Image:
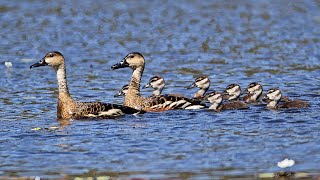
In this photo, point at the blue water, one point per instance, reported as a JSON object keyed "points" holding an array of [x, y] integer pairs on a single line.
{"points": [[274, 43]]}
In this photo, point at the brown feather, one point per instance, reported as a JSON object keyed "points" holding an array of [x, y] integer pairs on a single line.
{"points": [[234, 105], [294, 104]]}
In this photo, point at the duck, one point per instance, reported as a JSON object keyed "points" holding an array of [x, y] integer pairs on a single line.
{"points": [[123, 91], [67, 107], [157, 83], [203, 83], [216, 99], [133, 99], [232, 92], [273, 97], [253, 93]]}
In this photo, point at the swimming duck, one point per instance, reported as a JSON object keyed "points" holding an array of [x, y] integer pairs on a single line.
{"points": [[232, 92], [273, 97], [254, 92], [218, 105], [70, 109], [157, 83], [123, 91], [203, 83], [133, 98]]}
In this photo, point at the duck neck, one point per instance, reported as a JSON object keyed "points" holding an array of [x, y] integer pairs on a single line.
{"points": [[65, 101], [234, 97], [215, 106], [156, 92], [256, 96], [62, 79], [134, 86], [200, 93], [272, 104]]}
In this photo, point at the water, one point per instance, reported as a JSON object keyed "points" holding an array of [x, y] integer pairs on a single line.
{"points": [[275, 43]]}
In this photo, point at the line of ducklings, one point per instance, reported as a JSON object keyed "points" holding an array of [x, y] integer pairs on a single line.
{"points": [[230, 98], [68, 108]]}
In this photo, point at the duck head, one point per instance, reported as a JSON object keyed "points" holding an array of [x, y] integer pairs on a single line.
{"points": [[156, 82], [53, 59], [254, 88], [214, 97], [202, 82], [232, 92], [273, 94], [123, 91], [132, 60]]}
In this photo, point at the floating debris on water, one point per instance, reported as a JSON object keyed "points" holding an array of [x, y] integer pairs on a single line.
{"points": [[50, 128], [286, 163], [8, 64]]}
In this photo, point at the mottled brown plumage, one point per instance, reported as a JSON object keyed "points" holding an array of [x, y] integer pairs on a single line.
{"points": [[155, 103], [68, 108]]}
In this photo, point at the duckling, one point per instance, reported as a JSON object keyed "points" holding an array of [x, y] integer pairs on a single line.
{"points": [[202, 82], [133, 99], [70, 109], [273, 97], [216, 100], [123, 91], [254, 92], [157, 83], [232, 92]]}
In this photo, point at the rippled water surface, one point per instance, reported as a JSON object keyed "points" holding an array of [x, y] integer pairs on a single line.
{"points": [[273, 42]]}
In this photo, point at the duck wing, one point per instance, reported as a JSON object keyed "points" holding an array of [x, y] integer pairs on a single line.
{"points": [[234, 105], [101, 110], [294, 104], [167, 102]]}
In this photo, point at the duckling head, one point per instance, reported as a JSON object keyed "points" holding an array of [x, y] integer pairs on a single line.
{"points": [[254, 88], [214, 97], [232, 91], [156, 82], [123, 91], [53, 59], [202, 82], [273, 94], [132, 60]]}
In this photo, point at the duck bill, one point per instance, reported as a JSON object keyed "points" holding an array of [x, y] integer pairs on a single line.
{"points": [[42, 62], [266, 99], [146, 86], [244, 92], [118, 94], [121, 64], [191, 86]]}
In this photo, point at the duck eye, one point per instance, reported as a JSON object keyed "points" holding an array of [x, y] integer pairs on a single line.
{"points": [[50, 55], [131, 56]]}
